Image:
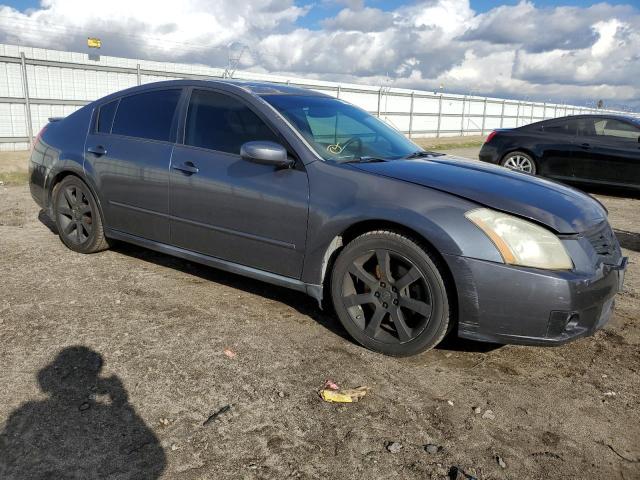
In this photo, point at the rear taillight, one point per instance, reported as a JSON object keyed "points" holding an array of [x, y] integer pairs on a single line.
{"points": [[38, 136], [490, 136]]}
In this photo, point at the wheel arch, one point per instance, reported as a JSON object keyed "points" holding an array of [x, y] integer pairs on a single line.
{"points": [[59, 176], [371, 225]]}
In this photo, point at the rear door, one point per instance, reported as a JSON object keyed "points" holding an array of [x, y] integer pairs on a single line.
{"points": [[557, 147], [230, 208], [611, 152], [128, 154]]}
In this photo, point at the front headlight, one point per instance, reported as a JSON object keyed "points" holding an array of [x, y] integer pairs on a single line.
{"points": [[521, 242]]}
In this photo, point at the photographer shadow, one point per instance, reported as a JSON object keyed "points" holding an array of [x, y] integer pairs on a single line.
{"points": [[85, 428]]}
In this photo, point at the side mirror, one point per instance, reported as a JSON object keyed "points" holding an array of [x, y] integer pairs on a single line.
{"points": [[266, 153]]}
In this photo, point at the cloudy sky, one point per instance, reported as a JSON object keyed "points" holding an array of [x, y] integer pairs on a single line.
{"points": [[548, 50]]}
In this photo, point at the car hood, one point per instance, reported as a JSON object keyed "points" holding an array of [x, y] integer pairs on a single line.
{"points": [[561, 208]]}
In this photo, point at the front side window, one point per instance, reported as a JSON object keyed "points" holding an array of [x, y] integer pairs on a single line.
{"points": [[220, 122], [105, 117], [610, 127], [147, 115], [337, 130]]}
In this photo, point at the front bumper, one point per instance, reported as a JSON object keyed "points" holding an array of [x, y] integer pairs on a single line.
{"points": [[505, 304]]}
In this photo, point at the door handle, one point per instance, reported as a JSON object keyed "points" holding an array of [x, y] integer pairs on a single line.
{"points": [[187, 167], [585, 146], [97, 150]]}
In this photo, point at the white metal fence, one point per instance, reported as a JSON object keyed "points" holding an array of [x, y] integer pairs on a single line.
{"points": [[37, 83]]}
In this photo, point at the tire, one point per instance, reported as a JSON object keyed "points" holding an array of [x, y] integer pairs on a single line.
{"points": [[77, 216], [519, 161], [390, 294]]}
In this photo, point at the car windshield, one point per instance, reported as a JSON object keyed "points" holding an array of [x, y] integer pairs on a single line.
{"points": [[339, 131]]}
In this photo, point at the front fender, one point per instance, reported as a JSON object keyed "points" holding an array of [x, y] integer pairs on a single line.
{"points": [[341, 197]]}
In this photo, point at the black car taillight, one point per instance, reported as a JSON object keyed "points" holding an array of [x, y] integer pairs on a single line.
{"points": [[490, 136], [38, 136]]}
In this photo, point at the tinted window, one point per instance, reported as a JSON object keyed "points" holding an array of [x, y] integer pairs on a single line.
{"points": [[220, 122], [147, 115], [610, 127], [566, 127], [105, 117]]}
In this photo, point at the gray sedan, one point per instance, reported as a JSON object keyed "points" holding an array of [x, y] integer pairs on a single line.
{"points": [[306, 191]]}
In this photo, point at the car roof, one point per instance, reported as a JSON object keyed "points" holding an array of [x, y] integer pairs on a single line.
{"points": [[248, 87], [627, 118]]}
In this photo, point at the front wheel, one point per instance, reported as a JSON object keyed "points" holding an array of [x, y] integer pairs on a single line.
{"points": [[519, 161], [77, 216], [389, 294]]}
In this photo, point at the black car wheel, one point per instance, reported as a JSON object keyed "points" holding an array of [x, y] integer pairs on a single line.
{"points": [[389, 294], [77, 217], [519, 161]]}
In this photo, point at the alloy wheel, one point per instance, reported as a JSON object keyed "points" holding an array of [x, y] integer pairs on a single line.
{"points": [[387, 296], [519, 162], [75, 215]]}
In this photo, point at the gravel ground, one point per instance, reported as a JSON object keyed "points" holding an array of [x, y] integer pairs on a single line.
{"points": [[113, 362]]}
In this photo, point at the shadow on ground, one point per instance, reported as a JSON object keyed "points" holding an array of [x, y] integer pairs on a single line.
{"points": [[85, 428], [628, 240]]}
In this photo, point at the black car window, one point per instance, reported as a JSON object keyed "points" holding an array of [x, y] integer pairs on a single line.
{"points": [[223, 123], [586, 127], [565, 127], [610, 127], [105, 117], [147, 115]]}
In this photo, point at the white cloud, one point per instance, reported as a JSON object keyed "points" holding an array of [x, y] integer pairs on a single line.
{"points": [[565, 53]]}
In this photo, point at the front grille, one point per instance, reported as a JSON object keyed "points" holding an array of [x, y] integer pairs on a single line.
{"points": [[604, 242]]}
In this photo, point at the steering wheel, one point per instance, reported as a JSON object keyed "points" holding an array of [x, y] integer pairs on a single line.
{"points": [[337, 148]]}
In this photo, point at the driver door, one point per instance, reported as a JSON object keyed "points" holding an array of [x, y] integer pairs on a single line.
{"points": [[230, 208]]}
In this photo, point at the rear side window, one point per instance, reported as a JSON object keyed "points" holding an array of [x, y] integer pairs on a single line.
{"points": [[223, 123], [147, 115], [105, 117], [566, 127]]}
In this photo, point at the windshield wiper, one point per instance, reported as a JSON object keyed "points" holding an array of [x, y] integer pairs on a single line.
{"points": [[423, 153], [364, 159]]}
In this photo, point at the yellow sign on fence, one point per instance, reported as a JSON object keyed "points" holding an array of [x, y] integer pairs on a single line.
{"points": [[94, 42]]}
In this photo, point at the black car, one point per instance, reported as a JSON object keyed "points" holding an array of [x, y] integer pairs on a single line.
{"points": [[590, 149], [308, 192]]}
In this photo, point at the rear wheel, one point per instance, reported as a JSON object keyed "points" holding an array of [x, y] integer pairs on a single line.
{"points": [[77, 216], [389, 294], [519, 161]]}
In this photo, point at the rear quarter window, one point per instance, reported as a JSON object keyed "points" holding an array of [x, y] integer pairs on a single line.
{"points": [[105, 117], [147, 115]]}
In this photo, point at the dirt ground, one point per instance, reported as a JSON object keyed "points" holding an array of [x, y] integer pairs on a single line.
{"points": [[112, 363]]}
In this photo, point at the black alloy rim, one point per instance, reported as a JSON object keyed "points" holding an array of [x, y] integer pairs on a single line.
{"points": [[75, 216], [387, 296]]}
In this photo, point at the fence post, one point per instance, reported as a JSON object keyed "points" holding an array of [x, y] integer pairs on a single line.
{"points": [[518, 114], [139, 78], [338, 92], [27, 100], [502, 114], [439, 116], [464, 101], [379, 101], [484, 116], [411, 116], [532, 107]]}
